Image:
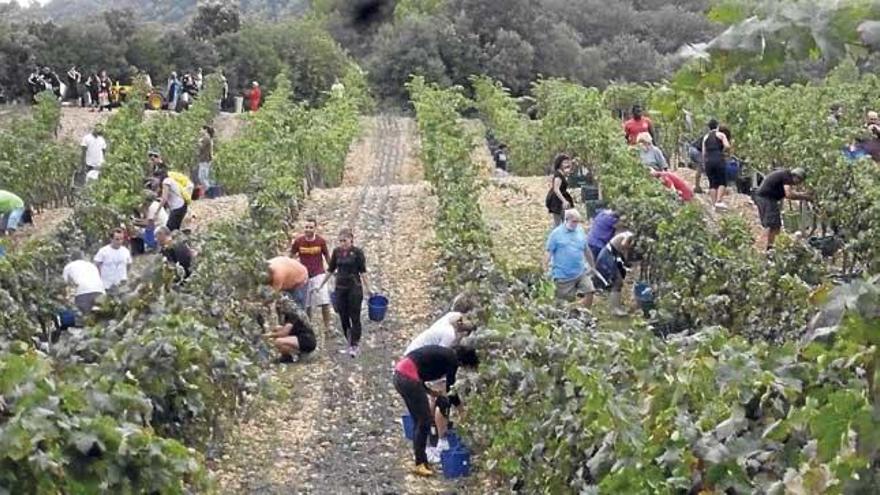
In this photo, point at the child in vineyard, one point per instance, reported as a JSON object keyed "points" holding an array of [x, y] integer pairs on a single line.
{"points": [[348, 265], [411, 375]]}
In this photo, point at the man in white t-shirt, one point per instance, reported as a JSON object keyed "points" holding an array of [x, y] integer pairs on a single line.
{"points": [[113, 260], [85, 278], [93, 149]]}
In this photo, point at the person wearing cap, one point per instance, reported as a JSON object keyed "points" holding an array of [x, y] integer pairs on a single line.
{"points": [[254, 97], [156, 162], [637, 125], [569, 260], [777, 185]]}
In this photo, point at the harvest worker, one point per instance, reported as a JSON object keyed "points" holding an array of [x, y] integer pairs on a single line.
{"points": [[311, 249], [94, 148], [178, 254], [290, 277], [637, 125], [86, 280], [601, 230], [776, 187], [348, 265], [572, 261], [715, 144], [295, 335], [650, 155], [423, 365], [254, 97], [205, 158], [611, 266], [172, 197], [11, 211], [448, 331], [558, 198], [673, 181], [113, 260]]}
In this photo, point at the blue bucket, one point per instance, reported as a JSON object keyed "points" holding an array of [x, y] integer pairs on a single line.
{"points": [[454, 441], [150, 238], [408, 426], [456, 462], [644, 294], [377, 307], [65, 319], [732, 170]]}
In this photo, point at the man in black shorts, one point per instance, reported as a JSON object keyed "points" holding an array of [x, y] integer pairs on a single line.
{"points": [[769, 196], [295, 336]]}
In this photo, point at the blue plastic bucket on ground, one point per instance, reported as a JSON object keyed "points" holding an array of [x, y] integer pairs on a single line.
{"points": [[377, 306], [408, 426], [453, 440], [456, 462], [644, 295], [66, 319]]}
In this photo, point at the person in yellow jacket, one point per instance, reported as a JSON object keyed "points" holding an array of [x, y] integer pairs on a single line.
{"points": [[176, 195]]}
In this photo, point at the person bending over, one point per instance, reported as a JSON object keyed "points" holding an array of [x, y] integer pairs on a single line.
{"points": [[295, 336]]}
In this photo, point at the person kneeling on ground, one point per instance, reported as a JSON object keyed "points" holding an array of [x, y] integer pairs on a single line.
{"points": [[295, 336], [423, 365], [571, 259], [611, 267], [769, 196]]}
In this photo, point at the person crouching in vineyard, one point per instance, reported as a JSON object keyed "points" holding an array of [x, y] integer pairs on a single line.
{"points": [[12, 210], [777, 185], [569, 260], [348, 265], [295, 336], [175, 253], [611, 267], [411, 373]]}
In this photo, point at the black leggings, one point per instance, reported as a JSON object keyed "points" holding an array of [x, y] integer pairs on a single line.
{"points": [[175, 218], [348, 304], [415, 396]]}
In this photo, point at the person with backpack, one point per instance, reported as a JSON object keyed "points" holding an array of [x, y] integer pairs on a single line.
{"points": [[558, 198], [714, 148], [173, 198]]}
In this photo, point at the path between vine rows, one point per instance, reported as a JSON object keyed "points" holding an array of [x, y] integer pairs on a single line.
{"points": [[333, 425]]}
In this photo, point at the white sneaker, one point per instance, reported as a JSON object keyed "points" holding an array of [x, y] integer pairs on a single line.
{"points": [[720, 206], [442, 444], [433, 454]]}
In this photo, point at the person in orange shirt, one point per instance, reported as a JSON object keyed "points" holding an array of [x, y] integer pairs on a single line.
{"points": [[289, 276], [254, 97]]}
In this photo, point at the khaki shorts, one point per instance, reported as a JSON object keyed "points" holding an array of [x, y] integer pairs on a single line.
{"points": [[575, 288]]}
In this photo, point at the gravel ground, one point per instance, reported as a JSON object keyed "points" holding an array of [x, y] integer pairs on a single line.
{"points": [[334, 427]]}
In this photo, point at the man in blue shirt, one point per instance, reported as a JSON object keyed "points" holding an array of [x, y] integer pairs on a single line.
{"points": [[569, 260]]}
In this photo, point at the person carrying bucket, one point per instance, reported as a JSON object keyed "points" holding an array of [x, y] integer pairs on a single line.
{"points": [[411, 375], [448, 331], [348, 265]]}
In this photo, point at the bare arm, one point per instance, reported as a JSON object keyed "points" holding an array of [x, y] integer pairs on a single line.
{"points": [[557, 183], [790, 193], [545, 264]]}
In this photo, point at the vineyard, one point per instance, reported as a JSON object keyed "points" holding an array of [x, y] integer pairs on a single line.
{"points": [[757, 373]]}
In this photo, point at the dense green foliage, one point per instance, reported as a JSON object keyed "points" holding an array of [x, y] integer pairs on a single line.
{"points": [[28, 150], [123, 405], [561, 406]]}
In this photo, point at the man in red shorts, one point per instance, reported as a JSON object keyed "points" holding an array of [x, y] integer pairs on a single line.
{"points": [[311, 249]]}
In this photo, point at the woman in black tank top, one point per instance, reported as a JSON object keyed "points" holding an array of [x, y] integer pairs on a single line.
{"points": [[715, 144]]}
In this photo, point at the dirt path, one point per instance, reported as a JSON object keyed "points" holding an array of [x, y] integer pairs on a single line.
{"points": [[334, 427]]}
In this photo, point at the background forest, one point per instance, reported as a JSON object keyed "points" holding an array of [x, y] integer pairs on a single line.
{"points": [[592, 42]]}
